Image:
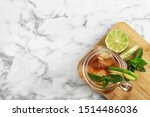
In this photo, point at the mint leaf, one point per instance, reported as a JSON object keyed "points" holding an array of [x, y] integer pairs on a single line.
{"points": [[140, 68], [139, 53], [105, 79], [139, 61], [105, 82], [95, 78], [136, 64], [115, 78]]}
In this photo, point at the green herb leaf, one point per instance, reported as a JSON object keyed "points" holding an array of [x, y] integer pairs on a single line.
{"points": [[138, 61], [115, 78], [139, 53], [140, 68], [95, 78], [105, 82], [105, 79], [136, 64]]}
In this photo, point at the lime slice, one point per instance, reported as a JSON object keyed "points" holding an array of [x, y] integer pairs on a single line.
{"points": [[117, 41], [130, 77], [128, 74], [129, 52], [116, 72]]}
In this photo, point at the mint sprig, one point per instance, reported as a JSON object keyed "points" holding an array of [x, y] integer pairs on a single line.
{"points": [[137, 63], [106, 79]]}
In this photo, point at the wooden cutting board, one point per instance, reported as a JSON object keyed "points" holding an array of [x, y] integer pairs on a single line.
{"points": [[141, 87]]}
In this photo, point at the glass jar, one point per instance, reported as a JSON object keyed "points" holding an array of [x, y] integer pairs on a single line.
{"points": [[84, 71]]}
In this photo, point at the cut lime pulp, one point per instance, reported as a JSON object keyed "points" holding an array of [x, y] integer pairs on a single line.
{"points": [[117, 41]]}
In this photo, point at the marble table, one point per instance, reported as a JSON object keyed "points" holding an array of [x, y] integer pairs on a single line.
{"points": [[42, 41]]}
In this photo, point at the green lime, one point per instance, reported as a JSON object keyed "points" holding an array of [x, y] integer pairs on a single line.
{"points": [[116, 72], [117, 41], [129, 52], [128, 74], [130, 77]]}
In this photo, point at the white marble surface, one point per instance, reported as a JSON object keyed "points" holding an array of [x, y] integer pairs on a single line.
{"points": [[47, 38]]}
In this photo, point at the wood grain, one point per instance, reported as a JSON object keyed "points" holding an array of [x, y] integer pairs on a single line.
{"points": [[141, 87]]}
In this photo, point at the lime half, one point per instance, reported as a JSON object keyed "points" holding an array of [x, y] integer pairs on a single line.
{"points": [[117, 41]]}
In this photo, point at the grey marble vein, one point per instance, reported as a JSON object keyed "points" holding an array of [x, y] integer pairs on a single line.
{"points": [[42, 41]]}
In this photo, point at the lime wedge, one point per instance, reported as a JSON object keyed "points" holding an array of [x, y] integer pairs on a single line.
{"points": [[128, 74], [129, 52], [116, 72], [130, 77], [117, 41]]}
